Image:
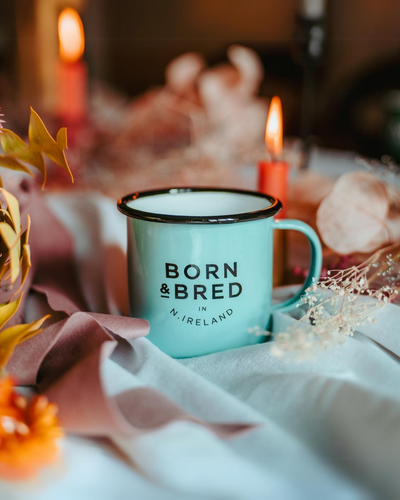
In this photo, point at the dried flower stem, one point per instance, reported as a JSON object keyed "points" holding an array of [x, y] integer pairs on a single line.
{"points": [[341, 302]]}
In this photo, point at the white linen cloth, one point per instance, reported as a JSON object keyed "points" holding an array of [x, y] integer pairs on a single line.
{"points": [[328, 429]]}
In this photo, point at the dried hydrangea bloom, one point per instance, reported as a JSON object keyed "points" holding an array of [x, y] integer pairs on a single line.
{"points": [[358, 216], [29, 433]]}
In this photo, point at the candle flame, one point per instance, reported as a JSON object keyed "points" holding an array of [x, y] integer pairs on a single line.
{"points": [[274, 129], [71, 35]]}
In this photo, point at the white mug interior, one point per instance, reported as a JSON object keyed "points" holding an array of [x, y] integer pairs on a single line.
{"points": [[199, 203]]}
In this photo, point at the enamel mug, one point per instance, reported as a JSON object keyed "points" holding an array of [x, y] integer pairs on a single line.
{"points": [[200, 266]]}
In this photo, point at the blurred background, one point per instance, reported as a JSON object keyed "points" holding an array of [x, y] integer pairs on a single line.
{"points": [[335, 64]]}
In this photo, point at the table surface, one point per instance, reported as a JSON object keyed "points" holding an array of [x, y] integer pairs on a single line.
{"points": [[328, 428]]}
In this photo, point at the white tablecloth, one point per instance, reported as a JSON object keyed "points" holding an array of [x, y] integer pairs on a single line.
{"points": [[328, 429]]}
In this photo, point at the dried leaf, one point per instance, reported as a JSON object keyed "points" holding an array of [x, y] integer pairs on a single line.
{"points": [[12, 143], [17, 152], [26, 233], [13, 164], [5, 216], [62, 138], [4, 266], [40, 139], [25, 265], [8, 310], [14, 264], [34, 158], [352, 218], [14, 335], [8, 234], [12, 240], [12, 260], [13, 209]]}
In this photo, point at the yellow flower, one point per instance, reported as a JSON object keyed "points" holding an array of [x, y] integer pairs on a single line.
{"points": [[29, 433]]}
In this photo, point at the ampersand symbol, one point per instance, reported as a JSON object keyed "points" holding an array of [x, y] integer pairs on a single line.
{"points": [[164, 288]]}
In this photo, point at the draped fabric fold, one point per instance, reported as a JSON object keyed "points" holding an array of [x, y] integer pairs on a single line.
{"points": [[65, 359]]}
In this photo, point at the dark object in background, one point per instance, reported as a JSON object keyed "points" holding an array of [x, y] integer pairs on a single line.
{"points": [[368, 115], [8, 50], [309, 48], [338, 94], [391, 136]]}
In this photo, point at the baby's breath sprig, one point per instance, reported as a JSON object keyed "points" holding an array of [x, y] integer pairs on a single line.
{"points": [[341, 302]]}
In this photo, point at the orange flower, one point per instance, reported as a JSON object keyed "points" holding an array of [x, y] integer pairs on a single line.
{"points": [[29, 433]]}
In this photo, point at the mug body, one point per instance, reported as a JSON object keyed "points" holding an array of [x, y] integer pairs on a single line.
{"points": [[202, 281]]}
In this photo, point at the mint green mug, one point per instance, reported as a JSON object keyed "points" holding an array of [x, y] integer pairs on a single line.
{"points": [[200, 266]]}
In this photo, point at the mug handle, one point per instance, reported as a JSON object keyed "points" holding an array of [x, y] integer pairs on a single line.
{"points": [[315, 259]]}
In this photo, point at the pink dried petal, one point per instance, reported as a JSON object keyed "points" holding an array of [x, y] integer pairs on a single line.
{"points": [[182, 72], [249, 66], [310, 188], [393, 226], [353, 217]]}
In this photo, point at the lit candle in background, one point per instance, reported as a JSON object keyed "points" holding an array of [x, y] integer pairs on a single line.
{"points": [[274, 127], [72, 71], [273, 174], [273, 179]]}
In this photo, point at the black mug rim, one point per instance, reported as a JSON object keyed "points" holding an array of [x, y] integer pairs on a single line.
{"points": [[133, 213]]}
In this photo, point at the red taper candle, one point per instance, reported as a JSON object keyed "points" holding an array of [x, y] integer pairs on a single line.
{"points": [[273, 174], [72, 70]]}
